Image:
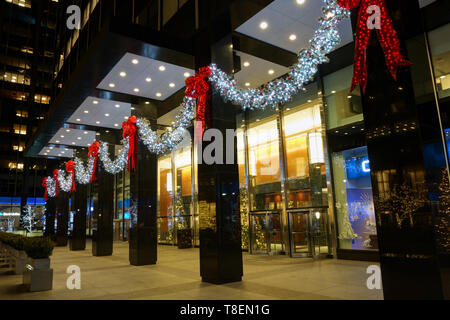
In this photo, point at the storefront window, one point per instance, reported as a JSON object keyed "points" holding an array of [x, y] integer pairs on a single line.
{"points": [[165, 200], [305, 160], [354, 203], [264, 161], [342, 107], [440, 51]]}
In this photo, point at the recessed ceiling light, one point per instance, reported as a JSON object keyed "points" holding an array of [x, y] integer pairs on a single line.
{"points": [[97, 134], [300, 1], [86, 132], [148, 79], [95, 102], [147, 102], [264, 25], [62, 136], [51, 148], [116, 125], [333, 92], [123, 74], [187, 74], [292, 37], [246, 64], [162, 68], [126, 118], [117, 105], [86, 111], [136, 90], [62, 152], [59, 155], [135, 61], [112, 85], [247, 84], [78, 120], [68, 130], [73, 143], [97, 122], [172, 85], [57, 141], [158, 94], [106, 114], [271, 71], [79, 138]]}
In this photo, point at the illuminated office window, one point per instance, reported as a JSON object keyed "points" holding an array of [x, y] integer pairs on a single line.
{"points": [[21, 3], [20, 129]]}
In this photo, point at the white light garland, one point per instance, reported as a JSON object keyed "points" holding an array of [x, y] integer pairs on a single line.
{"points": [[51, 187], [168, 140], [117, 165], [83, 173], [280, 91]]}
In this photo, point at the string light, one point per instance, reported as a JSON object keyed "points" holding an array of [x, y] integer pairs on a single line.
{"points": [[118, 165]]}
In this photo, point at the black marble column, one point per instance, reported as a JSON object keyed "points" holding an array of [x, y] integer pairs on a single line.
{"points": [[79, 208], [50, 217], [143, 242], [400, 122], [62, 219], [218, 184], [103, 235]]}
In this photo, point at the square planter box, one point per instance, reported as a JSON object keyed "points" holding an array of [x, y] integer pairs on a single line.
{"points": [[21, 261], [38, 276]]}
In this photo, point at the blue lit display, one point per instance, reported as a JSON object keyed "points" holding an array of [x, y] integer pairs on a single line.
{"points": [[357, 167]]}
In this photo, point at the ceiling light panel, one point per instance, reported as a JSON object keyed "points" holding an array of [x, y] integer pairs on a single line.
{"points": [[75, 137], [286, 18], [145, 78], [257, 73], [104, 114], [57, 152]]}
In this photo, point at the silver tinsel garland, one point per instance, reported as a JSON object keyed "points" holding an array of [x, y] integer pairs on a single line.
{"points": [[280, 91], [83, 173], [168, 140], [65, 182], [117, 165], [51, 187]]}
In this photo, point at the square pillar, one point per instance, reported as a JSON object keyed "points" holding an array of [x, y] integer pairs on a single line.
{"points": [[397, 130], [143, 242], [79, 208], [103, 235], [62, 218], [218, 184]]}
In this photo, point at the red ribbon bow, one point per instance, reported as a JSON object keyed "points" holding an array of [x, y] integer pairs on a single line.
{"points": [[70, 168], [55, 177], [386, 33], [130, 131], [44, 185], [198, 87], [93, 153]]}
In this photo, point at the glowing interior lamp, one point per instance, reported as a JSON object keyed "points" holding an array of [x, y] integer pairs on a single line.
{"points": [[317, 215], [169, 182], [316, 155]]}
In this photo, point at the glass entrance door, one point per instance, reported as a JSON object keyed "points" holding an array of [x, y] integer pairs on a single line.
{"points": [[300, 237], [308, 232], [265, 236]]}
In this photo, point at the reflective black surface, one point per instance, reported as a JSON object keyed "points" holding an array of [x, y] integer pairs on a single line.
{"points": [[62, 219], [50, 217], [79, 208]]}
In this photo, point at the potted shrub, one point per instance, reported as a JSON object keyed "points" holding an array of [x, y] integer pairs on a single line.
{"points": [[38, 276]]}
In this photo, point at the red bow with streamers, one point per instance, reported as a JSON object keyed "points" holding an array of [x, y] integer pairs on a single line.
{"points": [[130, 131], [55, 177], [44, 185], [198, 87], [373, 14], [93, 153], [70, 168]]}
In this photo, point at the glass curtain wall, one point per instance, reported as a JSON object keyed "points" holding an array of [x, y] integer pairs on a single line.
{"points": [[284, 193], [177, 220]]}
